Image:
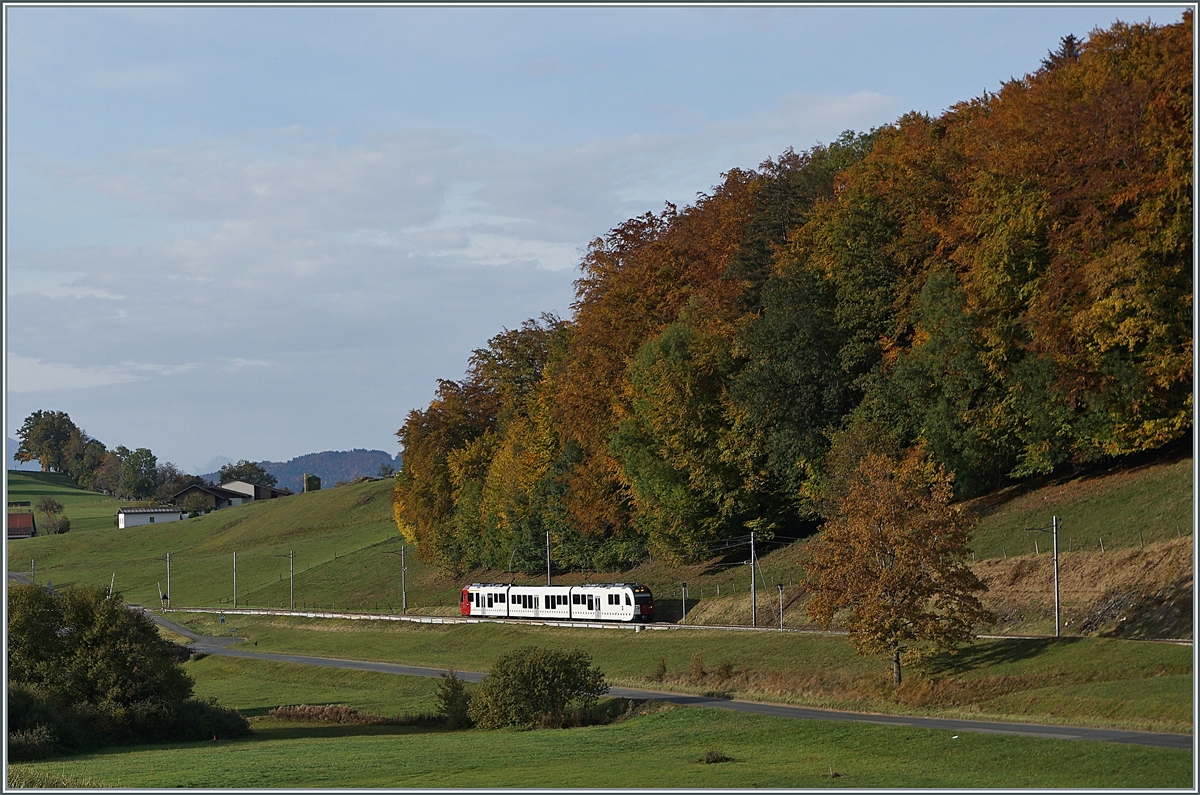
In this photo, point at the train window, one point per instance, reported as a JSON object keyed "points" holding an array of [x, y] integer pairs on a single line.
{"points": [[501, 597], [576, 599], [535, 603], [627, 600]]}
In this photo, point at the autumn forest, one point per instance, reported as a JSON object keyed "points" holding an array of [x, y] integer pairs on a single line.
{"points": [[1005, 288]]}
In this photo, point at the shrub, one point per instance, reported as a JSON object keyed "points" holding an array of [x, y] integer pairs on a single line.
{"points": [[534, 686], [453, 701], [660, 670], [697, 667], [325, 713], [714, 756], [36, 743]]}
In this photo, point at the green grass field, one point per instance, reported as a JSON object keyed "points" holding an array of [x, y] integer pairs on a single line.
{"points": [[256, 686], [661, 749], [87, 510], [1085, 681]]}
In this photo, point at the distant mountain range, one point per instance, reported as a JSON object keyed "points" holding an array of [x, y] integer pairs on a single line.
{"points": [[331, 466]]}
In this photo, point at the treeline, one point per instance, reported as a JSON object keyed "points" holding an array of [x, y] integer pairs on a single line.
{"points": [[1007, 285], [59, 445]]}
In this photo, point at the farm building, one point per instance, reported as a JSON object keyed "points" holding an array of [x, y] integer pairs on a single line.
{"points": [[255, 492], [134, 517], [214, 497], [21, 523]]}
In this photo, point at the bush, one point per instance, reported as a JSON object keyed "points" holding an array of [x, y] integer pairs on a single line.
{"points": [[453, 701], [533, 686], [36, 743], [324, 713], [660, 670], [90, 672]]}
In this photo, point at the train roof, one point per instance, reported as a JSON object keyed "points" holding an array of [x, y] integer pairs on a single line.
{"points": [[585, 585]]}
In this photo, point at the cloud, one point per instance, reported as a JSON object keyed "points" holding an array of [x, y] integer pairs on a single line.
{"points": [[34, 375], [55, 284]]}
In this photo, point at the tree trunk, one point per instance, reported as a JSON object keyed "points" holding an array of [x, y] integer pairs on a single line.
{"points": [[896, 667]]}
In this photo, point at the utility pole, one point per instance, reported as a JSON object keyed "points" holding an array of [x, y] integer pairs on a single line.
{"points": [[403, 568], [168, 580], [753, 591], [683, 591], [32, 571], [780, 587], [548, 558], [291, 556], [1057, 615], [235, 579]]}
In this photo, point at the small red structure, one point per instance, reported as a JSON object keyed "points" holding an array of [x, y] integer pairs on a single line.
{"points": [[21, 525]]}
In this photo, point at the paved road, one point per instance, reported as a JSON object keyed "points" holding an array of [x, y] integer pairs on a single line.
{"points": [[220, 645]]}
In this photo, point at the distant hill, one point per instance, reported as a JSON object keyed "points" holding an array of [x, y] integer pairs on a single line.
{"points": [[331, 466], [14, 464]]}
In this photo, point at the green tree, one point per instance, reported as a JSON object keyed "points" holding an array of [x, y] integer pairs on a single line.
{"points": [[171, 480], [247, 471], [107, 476], [87, 670], [453, 701], [533, 686], [195, 503], [894, 559], [90, 647], [139, 474], [44, 436]]}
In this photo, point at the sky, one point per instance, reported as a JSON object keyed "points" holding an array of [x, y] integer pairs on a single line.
{"points": [[260, 232]]}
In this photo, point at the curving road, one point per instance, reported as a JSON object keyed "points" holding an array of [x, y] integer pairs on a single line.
{"points": [[221, 645]]}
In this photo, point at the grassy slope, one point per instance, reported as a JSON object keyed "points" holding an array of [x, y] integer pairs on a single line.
{"points": [[665, 746], [322, 528], [1125, 508], [87, 510]]}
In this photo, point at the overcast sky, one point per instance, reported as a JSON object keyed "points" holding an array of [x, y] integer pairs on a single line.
{"points": [[263, 232]]}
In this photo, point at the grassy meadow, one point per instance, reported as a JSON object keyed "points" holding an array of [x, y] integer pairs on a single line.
{"points": [[662, 748], [1084, 681]]}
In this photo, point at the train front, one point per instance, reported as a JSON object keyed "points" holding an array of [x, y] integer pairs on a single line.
{"points": [[643, 603]]}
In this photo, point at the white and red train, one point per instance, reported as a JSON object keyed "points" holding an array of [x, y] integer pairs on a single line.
{"points": [[607, 602]]}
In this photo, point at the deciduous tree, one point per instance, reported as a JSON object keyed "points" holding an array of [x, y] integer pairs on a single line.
{"points": [[44, 436], [893, 561], [247, 471]]}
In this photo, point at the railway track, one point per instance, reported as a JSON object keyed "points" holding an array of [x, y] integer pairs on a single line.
{"points": [[636, 627], [357, 616]]}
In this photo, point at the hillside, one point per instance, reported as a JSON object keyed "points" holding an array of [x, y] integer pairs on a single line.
{"points": [[87, 510], [347, 548]]}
